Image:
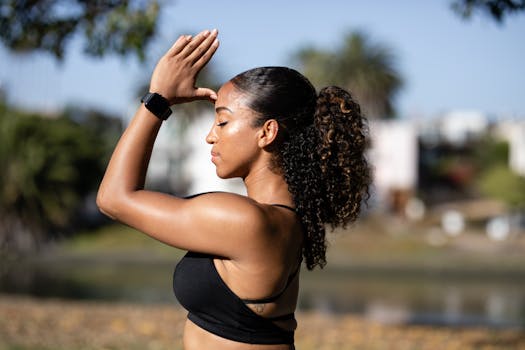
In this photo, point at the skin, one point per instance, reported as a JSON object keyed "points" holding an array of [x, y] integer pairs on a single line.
{"points": [[259, 244]]}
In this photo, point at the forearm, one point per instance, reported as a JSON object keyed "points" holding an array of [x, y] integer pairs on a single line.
{"points": [[126, 171]]}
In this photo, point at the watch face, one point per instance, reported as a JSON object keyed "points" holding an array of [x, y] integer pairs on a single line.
{"points": [[157, 105]]}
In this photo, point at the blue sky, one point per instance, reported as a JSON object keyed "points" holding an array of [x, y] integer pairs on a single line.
{"points": [[447, 63]]}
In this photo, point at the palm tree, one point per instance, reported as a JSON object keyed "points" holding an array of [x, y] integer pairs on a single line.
{"points": [[366, 69]]}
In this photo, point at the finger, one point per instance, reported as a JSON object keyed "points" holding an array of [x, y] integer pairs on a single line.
{"points": [[205, 58], [205, 94], [179, 45], [194, 43], [204, 47]]}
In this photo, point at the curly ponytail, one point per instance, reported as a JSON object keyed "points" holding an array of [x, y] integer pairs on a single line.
{"points": [[321, 152], [344, 169]]}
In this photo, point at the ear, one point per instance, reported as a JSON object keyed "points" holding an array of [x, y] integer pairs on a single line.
{"points": [[268, 133]]}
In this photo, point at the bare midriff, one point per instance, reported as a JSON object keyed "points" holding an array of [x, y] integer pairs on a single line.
{"points": [[196, 338]]}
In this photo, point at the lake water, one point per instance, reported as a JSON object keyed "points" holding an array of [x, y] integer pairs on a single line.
{"points": [[403, 298]]}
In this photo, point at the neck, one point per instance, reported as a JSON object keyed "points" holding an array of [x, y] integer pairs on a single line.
{"points": [[265, 186]]}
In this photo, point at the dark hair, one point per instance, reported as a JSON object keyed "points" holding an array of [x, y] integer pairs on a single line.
{"points": [[321, 152]]}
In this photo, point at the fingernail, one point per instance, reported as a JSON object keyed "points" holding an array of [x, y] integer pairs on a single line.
{"points": [[188, 37], [214, 31], [206, 33]]}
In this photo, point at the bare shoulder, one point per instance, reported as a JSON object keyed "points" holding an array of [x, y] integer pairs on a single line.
{"points": [[228, 208]]}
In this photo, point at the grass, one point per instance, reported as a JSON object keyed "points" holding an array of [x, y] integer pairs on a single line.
{"points": [[116, 239]]}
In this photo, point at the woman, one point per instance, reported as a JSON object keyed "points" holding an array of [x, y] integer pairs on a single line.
{"points": [[301, 157]]}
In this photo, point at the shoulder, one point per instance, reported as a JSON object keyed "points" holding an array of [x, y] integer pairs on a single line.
{"points": [[232, 210]]}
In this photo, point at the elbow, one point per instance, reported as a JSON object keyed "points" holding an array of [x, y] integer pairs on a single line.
{"points": [[106, 204]]}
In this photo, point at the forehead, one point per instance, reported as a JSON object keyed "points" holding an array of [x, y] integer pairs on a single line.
{"points": [[230, 97]]}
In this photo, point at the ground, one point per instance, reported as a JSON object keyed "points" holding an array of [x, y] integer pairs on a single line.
{"points": [[45, 324]]}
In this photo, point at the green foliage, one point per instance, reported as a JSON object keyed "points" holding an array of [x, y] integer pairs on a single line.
{"points": [[109, 26], [501, 183], [497, 9], [496, 179], [364, 68], [490, 152], [47, 167]]}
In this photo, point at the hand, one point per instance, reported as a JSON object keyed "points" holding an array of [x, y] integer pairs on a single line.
{"points": [[176, 72]]}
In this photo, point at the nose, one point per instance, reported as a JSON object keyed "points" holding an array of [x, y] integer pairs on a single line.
{"points": [[211, 138]]}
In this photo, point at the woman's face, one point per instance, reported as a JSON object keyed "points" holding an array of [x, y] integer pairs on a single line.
{"points": [[233, 138]]}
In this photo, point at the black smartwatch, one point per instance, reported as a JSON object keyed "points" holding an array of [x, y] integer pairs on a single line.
{"points": [[157, 105]]}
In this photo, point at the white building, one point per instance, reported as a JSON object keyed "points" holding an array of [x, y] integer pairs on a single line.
{"points": [[513, 131], [457, 127], [394, 157]]}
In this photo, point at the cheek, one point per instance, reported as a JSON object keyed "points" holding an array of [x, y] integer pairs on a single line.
{"points": [[240, 137], [238, 146], [233, 132]]}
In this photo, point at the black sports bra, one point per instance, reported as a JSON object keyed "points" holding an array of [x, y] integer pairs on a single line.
{"points": [[213, 306]]}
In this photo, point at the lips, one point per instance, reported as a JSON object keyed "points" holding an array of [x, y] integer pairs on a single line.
{"points": [[214, 156]]}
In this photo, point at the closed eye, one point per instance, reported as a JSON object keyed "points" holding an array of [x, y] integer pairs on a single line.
{"points": [[222, 124]]}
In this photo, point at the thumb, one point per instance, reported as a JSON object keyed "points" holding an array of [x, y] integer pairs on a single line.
{"points": [[205, 94]]}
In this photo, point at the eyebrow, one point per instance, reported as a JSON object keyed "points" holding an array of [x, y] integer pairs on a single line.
{"points": [[221, 108]]}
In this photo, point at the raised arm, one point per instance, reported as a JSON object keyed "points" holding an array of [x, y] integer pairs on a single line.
{"points": [[197, 224]]}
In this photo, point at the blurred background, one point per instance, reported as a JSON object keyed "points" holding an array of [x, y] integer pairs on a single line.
{"points": [[440, 245]]}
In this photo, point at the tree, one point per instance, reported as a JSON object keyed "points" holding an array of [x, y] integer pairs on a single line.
{"points": [[497, 9], [364, 68], [47, 167], [109, 26]]}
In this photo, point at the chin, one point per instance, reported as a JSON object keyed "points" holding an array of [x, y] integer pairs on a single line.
{"points": [[226, 174], [221, 174]]}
